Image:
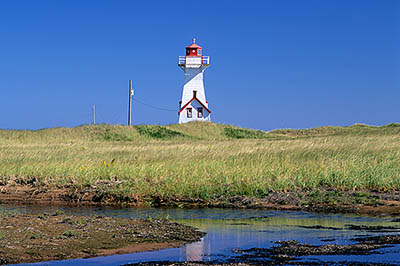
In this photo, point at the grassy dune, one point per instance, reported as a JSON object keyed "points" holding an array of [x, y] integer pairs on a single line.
{"points": [[202, 160]]}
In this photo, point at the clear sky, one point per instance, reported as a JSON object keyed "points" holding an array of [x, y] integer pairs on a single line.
{"points": [[274, 64]]}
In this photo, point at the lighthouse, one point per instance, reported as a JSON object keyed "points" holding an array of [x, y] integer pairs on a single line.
{"points": [[193, 106]]}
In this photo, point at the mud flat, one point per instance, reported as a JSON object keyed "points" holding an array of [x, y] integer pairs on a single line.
{"points": [[33, 238]]}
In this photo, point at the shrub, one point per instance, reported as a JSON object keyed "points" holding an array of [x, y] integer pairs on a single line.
{"points": [[239, 133], [158, 132]]}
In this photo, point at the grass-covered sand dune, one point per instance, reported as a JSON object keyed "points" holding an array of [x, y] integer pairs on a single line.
{"points": [[201, 162]]}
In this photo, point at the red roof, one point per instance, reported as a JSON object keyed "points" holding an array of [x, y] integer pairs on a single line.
{"points": [[194, 98], [194, 45]]}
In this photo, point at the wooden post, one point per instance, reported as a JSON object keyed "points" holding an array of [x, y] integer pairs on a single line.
{"points": [[130, 103], [94, 114]]}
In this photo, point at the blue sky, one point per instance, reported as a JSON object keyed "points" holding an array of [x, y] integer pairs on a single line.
{"points": [[274, 64]]}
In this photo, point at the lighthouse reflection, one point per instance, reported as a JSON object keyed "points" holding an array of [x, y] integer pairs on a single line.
{"points": [[195, 251]]}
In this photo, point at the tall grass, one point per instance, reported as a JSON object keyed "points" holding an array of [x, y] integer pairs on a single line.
{"points": [[179, 162]]}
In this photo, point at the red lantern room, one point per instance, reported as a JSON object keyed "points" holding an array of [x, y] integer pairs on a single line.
{"points": [[193, 49]]}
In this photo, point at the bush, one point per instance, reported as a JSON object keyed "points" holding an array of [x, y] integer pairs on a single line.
{"points": [[108, 135], [158, 132], [238, 133]]}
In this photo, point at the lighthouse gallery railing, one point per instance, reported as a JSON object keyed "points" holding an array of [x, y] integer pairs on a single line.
{"points": [[205, 60]]}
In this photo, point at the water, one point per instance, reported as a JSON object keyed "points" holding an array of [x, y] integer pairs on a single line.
{"points": [[229, 229]]}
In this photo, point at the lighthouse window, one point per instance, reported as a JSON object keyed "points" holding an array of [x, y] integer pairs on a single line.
{"points": [[200, 112], [189, 112], [199, 52]]}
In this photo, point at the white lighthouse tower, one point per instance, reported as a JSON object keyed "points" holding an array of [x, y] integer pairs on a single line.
{"points": [[193, 106]]}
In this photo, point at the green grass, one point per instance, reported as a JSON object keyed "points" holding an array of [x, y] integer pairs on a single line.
{"points": [[202, 160]]}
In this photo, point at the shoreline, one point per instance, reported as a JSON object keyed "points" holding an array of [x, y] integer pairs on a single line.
{"points": [[323, 201]]}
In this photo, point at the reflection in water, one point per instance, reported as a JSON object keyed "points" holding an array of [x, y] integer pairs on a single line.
{"points": [[229, 229], [194, 251]]}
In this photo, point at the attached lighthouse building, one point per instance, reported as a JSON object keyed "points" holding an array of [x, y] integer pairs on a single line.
{"points": [[193, 106]]}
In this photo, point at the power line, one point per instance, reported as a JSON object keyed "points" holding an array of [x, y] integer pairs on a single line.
{"points": [[155, 107]]}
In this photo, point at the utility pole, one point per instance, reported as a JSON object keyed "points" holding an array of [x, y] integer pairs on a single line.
{"points": [[94, 114], [130, 103]]}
